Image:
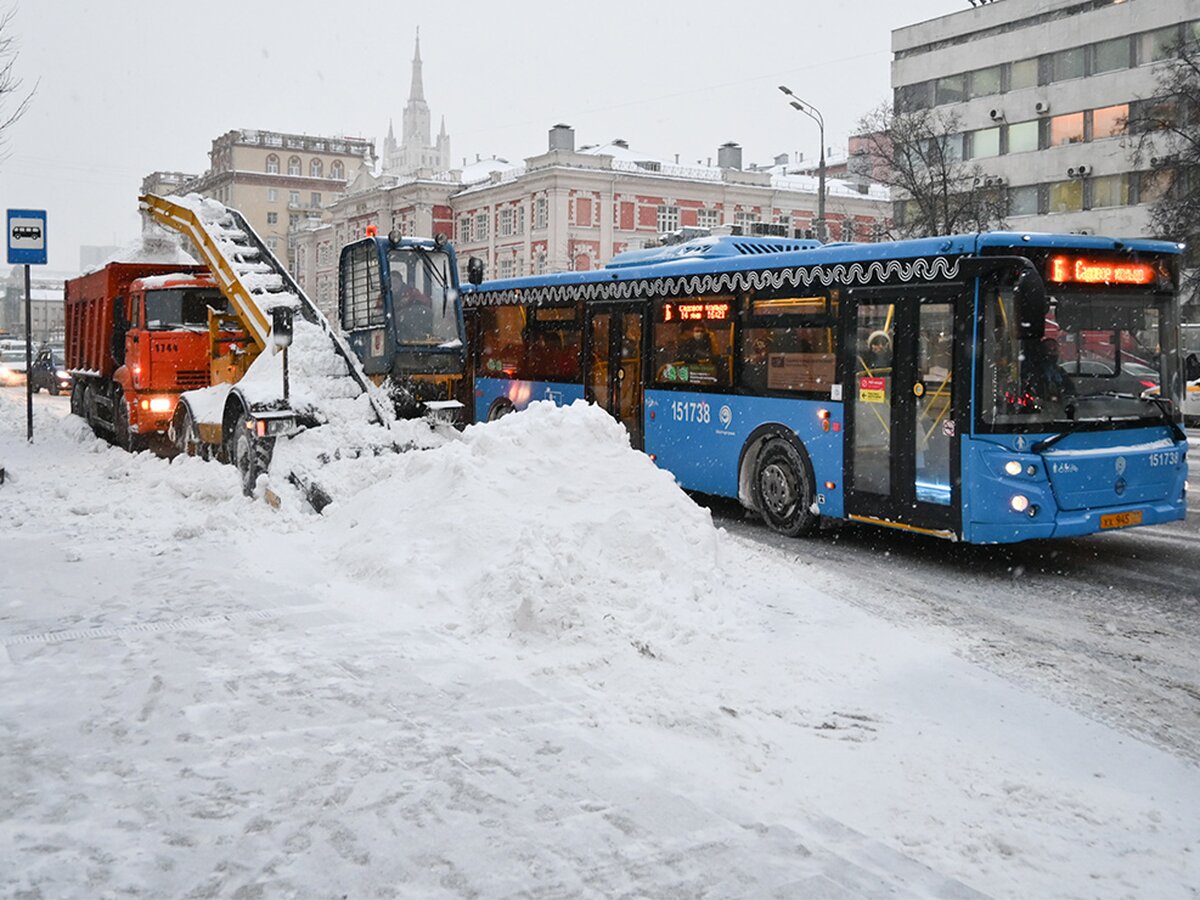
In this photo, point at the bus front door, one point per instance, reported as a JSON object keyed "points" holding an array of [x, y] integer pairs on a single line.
{"points": [[613, 353], [902, 412]]}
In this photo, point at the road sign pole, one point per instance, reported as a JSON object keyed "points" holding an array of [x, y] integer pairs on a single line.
{"points": [[28, 359]]}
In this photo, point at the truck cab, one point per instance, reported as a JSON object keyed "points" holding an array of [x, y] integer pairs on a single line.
{"points": [[161, 345]]}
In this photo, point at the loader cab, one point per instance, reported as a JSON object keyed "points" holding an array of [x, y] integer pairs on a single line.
{"points": [[398, 301]]}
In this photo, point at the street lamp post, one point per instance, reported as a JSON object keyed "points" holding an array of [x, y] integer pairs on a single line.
{"points": [[815, 114]]}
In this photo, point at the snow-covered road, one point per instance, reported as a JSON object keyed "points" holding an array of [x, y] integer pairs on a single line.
{"points": [[521, 663]]}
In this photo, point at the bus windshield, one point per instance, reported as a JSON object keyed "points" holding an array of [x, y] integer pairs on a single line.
{"points": [[1093, 361], [424, 305], [176, 309]]}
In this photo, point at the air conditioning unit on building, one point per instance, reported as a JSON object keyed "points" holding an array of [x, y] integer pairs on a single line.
{"points": [[1041, 107], [997, 115], [1079, 171], [994, 181]]}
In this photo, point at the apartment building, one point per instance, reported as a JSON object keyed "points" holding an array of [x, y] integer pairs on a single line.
{"points": [[278, 181], [1043, 91]]}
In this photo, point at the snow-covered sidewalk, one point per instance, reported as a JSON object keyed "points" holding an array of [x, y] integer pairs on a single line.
{"points": [[517, 664]]}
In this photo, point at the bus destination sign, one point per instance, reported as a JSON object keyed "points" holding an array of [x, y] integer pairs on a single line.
{"points": [[696, 312], [1083, 270]]}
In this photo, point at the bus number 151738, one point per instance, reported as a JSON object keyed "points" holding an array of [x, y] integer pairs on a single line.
{"points": [[691, 411]]}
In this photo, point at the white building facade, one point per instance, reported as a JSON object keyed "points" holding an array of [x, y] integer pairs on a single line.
{"points": [[1043, 90]]}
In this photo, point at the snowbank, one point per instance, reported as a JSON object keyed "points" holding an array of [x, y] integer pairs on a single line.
{"points": [[517, 661]]}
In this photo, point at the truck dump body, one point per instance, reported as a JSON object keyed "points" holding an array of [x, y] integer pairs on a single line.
{"points": [[88, 312]]}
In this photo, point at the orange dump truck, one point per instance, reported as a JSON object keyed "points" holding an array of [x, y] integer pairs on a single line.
{"points": [[137, 335]]}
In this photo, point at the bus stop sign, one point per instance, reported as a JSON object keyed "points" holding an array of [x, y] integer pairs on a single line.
{"points": [[27, 237]]}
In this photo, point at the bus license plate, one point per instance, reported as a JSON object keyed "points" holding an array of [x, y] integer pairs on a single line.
{"points": [[1121, 520]]}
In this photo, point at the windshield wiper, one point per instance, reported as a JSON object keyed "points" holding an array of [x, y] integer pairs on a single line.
{"points": [[1162, 404], [423, 254]]}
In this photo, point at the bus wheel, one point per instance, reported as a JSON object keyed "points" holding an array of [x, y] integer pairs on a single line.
{"points": [[783, 489], [500, 409]]}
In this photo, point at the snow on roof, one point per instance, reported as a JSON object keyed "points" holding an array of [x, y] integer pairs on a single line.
{"points": [[618, 149], [482, 169], [151, 247]]}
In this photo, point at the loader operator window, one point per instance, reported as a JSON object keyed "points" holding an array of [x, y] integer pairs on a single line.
{"points": [[174, 309], [424, 305]]}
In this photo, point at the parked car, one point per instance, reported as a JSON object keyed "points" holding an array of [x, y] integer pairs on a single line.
{"points": [[1091, 376], [12, 366], [50, 372]]}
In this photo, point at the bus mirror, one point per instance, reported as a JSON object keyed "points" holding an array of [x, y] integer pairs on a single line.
{"points": [[475, 270], [1031, 305]]}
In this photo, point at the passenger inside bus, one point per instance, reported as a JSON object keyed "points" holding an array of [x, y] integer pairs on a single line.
{"points": [[879, 351], [1045, 379], [696, 345]]}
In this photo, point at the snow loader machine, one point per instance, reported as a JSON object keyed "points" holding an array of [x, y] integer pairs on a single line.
{"points": [[279, 369]]}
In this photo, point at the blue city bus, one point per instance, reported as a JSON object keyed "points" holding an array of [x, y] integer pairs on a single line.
{"points": [[987, 388], [399, 304]]}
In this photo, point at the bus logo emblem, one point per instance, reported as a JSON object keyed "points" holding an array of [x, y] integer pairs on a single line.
{"points": [[1120, 465], [725, 414]]}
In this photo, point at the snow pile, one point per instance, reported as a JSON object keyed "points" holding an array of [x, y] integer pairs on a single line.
{"points": [[547, 523], [519, 662], [154, 246]]}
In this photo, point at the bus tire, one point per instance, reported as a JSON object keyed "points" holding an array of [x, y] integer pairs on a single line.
{"points": [[783, 489], [500, 409]]}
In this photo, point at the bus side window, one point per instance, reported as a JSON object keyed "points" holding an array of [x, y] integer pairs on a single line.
{"points": [[788, 344]]}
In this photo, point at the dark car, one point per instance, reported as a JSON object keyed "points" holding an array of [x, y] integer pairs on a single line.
{"points": [[50, 372]]}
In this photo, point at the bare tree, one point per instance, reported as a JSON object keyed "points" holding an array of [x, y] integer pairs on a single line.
{"points": [[919, 155], [10, 84], [1167, 128]]}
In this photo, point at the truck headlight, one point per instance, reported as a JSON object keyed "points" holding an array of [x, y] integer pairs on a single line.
{"points": [[160, 404]]}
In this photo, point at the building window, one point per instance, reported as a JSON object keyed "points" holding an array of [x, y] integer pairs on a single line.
{"points": [[506, 227], [293, 221], [315, 200], [464, 228], [506, 267], [337, 170], [1108, 56], [1109, 121], [520, 210], [272, 244], [540, 212], [912, 97], [272, 195], [1066, 196], [985, 143], [708, 218], [668, 218], [1023, 74], [1023, 201], [272, 218], [1023, 136], [1067, 64], [985, 81], [293, 198], [1110, 190], [951, 89], [1066, 129], [1163, 44], [315, 168], [539, 264], [293, 165], [481, 226], [272, 164]]}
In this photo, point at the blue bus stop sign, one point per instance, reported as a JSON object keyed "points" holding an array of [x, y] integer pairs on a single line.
{"points": [[27, 237]]}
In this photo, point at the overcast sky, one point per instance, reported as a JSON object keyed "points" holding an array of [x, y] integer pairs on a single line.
{"points": [[127, 87]]}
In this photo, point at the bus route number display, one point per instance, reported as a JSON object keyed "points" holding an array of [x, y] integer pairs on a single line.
{"points": [[696, 312]]}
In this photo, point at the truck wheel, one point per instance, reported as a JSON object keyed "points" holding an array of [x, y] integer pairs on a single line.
{"points": [[120, 414], [53, 389], [77, 405], [783, 489], [251, 455]]}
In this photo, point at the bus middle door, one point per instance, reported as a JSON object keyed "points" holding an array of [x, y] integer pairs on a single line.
{"points": [[901, 409], [612, 378]]}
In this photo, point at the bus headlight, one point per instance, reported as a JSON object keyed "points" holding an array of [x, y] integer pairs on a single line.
{"points": [[1019, 503], [1012, 467]]}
